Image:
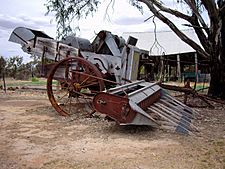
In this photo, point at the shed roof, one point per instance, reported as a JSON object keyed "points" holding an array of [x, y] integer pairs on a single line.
{"points": [[167, 42]]}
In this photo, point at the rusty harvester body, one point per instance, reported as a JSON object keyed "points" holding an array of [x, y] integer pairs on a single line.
{"points": [[103, 75]]}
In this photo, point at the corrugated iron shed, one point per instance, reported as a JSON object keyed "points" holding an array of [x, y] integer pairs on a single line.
{"points": [[167, 42]]}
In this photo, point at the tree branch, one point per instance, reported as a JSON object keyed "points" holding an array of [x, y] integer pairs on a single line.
{"points": [[192, 4], [196, 25], [183, 37], [210, 6], [170, 11], [201, 36], [213, 12]]}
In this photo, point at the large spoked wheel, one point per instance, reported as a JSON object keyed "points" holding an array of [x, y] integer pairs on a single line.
{"points": [[71, 85]]}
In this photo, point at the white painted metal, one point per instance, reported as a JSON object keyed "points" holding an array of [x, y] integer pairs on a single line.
{"points": [[130, 63], [123, 65], [109, 40], [142, 118]]}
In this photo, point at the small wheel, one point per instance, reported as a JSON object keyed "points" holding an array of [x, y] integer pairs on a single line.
{"points": [[71, 85]]}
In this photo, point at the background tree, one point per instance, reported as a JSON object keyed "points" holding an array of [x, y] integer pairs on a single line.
{"points": [[13, 63], [15, 67], [2, 73], [24, 71], [2, 66], [210, 31]]}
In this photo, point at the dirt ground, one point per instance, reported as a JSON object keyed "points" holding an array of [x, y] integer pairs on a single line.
{"points": [[32, 136]]}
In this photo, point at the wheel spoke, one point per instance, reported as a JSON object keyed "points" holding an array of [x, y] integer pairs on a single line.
{"points": [[89, 85], [63, 96], [84, 80], [74, 74], [91, 80]]}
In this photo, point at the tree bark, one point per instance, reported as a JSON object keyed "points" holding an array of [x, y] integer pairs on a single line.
{"points": [[217, 83]]}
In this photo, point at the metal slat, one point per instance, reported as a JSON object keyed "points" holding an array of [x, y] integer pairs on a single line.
{"points": [[187, 114], [152, 86], [173, 113], [178, 128], [176, 120], [124, 87], [165, 123], [177, 106], [185, 118], [185, 106], [164, 117], [177, 114], [181, 119]]}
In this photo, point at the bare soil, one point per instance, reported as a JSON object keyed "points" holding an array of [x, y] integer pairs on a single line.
{"points": [[33, 135]]}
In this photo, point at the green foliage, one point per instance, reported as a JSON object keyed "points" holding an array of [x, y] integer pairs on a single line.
{"points": [[15, 68], [67, 10], [136, 4], [12, 65]]}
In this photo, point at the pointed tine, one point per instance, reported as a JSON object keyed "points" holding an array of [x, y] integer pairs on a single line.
{"points": [[166, 111], [165, 123], [179, 127], [176, 128], [173, 112], [184, 118], [157, 111], [176, 108], [177, 120], [185, 106], [168, 127], [169, 109]]}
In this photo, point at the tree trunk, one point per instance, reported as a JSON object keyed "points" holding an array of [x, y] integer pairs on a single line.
{"points": [[217, 83]]}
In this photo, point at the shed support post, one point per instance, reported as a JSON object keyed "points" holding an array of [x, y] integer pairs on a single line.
{"points": [[178, 67], [161, 75], [196, 67]]}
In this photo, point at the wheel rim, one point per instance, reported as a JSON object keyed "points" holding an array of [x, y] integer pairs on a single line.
{"points": [[71, 85]]}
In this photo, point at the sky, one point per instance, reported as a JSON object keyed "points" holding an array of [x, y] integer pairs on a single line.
{"points": [[31, 14]]}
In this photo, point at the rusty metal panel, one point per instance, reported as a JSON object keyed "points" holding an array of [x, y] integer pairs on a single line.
{"points": [[123, 102], [116, 107]]}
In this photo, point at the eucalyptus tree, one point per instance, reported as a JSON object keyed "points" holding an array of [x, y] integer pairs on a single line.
{"points": [[2, 66], [206, 17]]}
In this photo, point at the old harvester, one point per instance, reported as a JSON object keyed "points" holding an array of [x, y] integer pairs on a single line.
{"points": [[103, 75]]}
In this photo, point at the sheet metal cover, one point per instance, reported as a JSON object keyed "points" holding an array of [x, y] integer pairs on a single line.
{"points": [[22, 35]]}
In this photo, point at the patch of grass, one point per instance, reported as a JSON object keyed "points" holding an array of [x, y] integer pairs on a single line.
{"points": [[38, 83], [200, 86], [32, 82], [34, 79]]}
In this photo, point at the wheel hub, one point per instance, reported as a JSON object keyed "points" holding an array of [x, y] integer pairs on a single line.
{"points": [[77, 86]]}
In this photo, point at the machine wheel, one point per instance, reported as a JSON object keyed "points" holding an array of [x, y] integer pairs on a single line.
{"points": [[71, 85]]}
